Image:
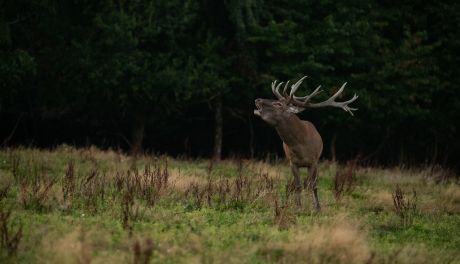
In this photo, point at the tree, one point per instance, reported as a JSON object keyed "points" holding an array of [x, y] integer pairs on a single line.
{"points": [[136, 56]]}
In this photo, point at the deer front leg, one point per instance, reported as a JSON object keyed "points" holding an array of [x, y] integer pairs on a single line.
{"points": [[312, 186], [297, 184]]}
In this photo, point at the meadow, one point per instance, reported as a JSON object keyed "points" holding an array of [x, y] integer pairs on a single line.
{"points": [[70, 205]]}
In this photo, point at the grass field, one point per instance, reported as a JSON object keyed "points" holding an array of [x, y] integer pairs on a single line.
{"points": [[90, 206]]}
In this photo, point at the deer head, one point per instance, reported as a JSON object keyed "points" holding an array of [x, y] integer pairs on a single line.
{"points": [[274, 111]]}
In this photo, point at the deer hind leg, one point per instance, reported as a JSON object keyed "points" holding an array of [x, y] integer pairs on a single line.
{"points": [[297, 184], [312, 186]]}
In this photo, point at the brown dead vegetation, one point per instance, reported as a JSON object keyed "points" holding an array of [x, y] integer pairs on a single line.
{"points": [[341, 242]]}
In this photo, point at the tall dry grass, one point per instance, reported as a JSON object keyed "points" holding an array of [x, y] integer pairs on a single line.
{"points": [[340, 242]]}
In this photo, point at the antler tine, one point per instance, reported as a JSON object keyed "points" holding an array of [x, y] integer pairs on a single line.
{"points": [[308, 97], [331, 102], [296, 86], [338, 92], [285, 89], [273, 86], [348, 109], [275, 90], [278, 89]]}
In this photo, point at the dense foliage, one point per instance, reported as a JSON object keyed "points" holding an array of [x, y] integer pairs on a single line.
{"points": [[153, 73]]}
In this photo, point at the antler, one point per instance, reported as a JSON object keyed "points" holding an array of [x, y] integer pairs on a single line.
{"points": [[331, 102], [304, 101], [285, 96], [275, 89]]}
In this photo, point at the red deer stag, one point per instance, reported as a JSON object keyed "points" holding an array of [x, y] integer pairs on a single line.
{"points": [[301, 141]]}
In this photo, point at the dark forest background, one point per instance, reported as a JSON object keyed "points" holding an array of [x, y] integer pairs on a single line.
{"points": [[179, 77]]}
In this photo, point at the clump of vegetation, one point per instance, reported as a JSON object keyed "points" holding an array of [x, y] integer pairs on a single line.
{"points": [[4, 190], [92, 189], [152, 183], [69, 182], [195, 193], [450, 199], [14, 162], [34, 187], [289, 188], [283, 216], [344, 180], [439, 174], [9, 238], [231, 193], [129, 208], [405, 206], [143, 252]]}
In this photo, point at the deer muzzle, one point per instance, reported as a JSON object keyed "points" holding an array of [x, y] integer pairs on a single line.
{"points": [[257, 111]]}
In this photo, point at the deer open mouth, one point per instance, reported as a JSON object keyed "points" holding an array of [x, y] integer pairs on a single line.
{"points": [[257, 111]]}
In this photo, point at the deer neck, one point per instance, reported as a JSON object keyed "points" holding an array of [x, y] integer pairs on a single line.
{"points": [[290, 130]]}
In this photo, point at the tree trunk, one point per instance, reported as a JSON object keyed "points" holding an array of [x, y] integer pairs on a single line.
{"points": [[218, 129], [251, 136], [333, 154], [137, 134], [187, 148]]}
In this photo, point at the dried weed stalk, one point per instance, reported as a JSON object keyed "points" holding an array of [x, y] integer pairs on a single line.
{"points": [[405, 207], [129, 209], [283, 217], [344, 180], [93, 189], [69, 182], [34, 192], [231, 192]]}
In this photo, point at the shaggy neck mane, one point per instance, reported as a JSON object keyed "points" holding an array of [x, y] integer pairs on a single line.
{"points": [[290, 130]]}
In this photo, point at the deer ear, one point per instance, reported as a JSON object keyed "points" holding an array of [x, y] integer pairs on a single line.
{"points": [[294, 109]]}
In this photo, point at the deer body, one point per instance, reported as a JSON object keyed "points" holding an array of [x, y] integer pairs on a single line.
{"points": [[302, 143]]}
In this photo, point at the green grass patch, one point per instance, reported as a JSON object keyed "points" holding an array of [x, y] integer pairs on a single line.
{"points": [[110, 208]]}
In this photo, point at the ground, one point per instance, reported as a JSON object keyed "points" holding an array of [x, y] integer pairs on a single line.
{"points": [[71, 205]]}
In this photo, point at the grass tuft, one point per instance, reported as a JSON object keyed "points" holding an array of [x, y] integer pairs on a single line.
{"points": [[9, 238], [405, 207]]}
